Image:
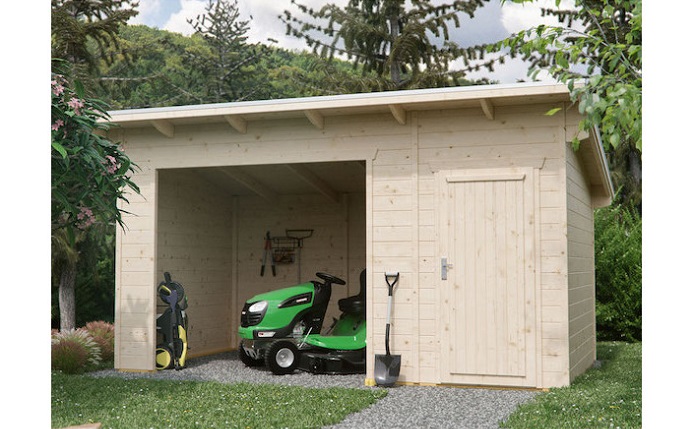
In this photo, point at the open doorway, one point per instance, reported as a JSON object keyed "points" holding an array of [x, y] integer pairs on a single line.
{"points": [[213, 222]]}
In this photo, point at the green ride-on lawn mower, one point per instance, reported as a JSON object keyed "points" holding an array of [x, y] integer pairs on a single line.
{"points": [[282, 329]]}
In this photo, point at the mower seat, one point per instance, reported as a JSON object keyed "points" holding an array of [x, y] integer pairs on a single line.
{"points": [[355, 304]]}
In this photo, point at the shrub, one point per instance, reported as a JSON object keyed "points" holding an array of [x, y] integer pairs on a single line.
{"points": [[73, 350], [618, 273], [103, 333], [68, 356]]}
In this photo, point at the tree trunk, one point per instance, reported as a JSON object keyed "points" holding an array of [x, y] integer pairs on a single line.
{"points": [[394, 62], [66, 296]]}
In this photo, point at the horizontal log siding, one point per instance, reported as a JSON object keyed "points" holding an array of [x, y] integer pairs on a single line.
{"points": [[581, 268], [392, 227], [518, 136], [195, 244], [135, 332]]}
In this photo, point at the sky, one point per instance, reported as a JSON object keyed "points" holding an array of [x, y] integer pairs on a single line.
{"points": [[491, 23]]}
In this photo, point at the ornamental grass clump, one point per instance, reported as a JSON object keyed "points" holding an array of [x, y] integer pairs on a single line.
{"points": [[103, 334], [73, 350]]}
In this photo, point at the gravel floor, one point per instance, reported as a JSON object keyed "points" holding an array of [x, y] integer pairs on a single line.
{"points": [[404, 407]]}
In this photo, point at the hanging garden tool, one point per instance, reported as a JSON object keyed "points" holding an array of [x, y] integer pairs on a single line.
{"points": [[387, 366], [268, 253]]}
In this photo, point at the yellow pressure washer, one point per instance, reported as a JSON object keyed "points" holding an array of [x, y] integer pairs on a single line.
{"points": [[172, 325]]}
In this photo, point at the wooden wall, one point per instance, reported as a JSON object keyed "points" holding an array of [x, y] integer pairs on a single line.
{"points": [[581, 267], [391, 227], [212, 243], [517, 137], [195, 243]]}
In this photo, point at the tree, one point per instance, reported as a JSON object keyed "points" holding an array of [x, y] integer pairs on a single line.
{"points": [[227, 61], [156, 72], [89, 176], [82, 30], [392, 42], [598, 55]]}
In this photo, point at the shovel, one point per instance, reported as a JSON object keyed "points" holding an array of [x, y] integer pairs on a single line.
{"points": [[387, 366]]}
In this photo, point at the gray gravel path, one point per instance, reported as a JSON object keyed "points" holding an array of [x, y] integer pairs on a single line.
{"points": [[405, 406]]}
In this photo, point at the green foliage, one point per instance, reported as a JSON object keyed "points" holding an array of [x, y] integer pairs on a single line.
{"points": [[605, 397], [82, 30], [601, 63], [89, 173], [162, 72], [229, 64], [391, 43], [95, 282], [143, 403], [69, 357], [154, 70], [618, 273], [73, 350]]}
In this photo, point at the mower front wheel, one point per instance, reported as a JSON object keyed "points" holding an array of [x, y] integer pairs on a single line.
{"points": [[282, 357]]}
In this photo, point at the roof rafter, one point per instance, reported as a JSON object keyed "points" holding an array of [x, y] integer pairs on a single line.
{"points": [[399, 113], [251, 183], [487, 108], [314, 181], [237, 122], [164, 127], [316, 118]]}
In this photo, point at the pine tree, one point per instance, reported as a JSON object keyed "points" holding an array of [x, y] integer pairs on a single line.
{"points": [[82, 30], [397, 44], [229, 60]]}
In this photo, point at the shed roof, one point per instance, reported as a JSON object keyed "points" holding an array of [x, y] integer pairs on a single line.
{"points": [[397, 103]]}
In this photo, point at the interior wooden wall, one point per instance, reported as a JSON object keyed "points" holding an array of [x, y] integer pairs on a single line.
{"points": [[212, 243]]}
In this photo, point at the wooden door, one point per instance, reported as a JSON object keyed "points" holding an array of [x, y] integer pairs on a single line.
{"points": [[487, 243]]}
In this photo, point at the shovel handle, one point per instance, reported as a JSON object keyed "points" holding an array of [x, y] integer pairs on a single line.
{"points": [[391, 284], [388, 339]]}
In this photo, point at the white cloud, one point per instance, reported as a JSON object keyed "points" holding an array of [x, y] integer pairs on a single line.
{"points": [[178, 21], [148, 10], [516, 17]]}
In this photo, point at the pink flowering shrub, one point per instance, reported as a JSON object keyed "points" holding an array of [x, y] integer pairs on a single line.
{"points": [[89, 172], [104, 335]]}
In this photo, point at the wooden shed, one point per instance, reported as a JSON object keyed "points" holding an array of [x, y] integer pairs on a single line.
{"points": [[473, 194]]}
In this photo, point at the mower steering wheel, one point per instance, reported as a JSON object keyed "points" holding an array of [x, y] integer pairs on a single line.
{"points": [[329, 278]]}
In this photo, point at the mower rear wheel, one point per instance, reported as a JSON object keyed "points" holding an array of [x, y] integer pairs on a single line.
{"points": [[282, 357], [247, 360]]}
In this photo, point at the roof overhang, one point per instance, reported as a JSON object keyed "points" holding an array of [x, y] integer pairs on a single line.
{"points": [[592, 154], [316, 109], [396, 103]]}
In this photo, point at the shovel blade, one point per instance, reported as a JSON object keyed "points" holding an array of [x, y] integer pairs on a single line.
{"points": [[387, 369]]}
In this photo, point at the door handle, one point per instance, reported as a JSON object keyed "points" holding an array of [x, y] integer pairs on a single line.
{"points": [[445, 266]]}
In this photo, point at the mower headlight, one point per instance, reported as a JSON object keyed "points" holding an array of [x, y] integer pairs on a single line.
{"points": [[258, 307]]}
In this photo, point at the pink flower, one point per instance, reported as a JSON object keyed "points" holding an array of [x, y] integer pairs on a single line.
{"points": [[58, 88], [58, 123], [111, 165], [85, 218], [76, 104]]}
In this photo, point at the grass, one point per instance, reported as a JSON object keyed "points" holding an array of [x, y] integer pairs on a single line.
{"points": [[605, 397], [145, 403]]}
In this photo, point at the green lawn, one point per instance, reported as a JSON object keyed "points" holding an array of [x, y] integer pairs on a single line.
{"points": [[608, 397], [145, 403]]}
